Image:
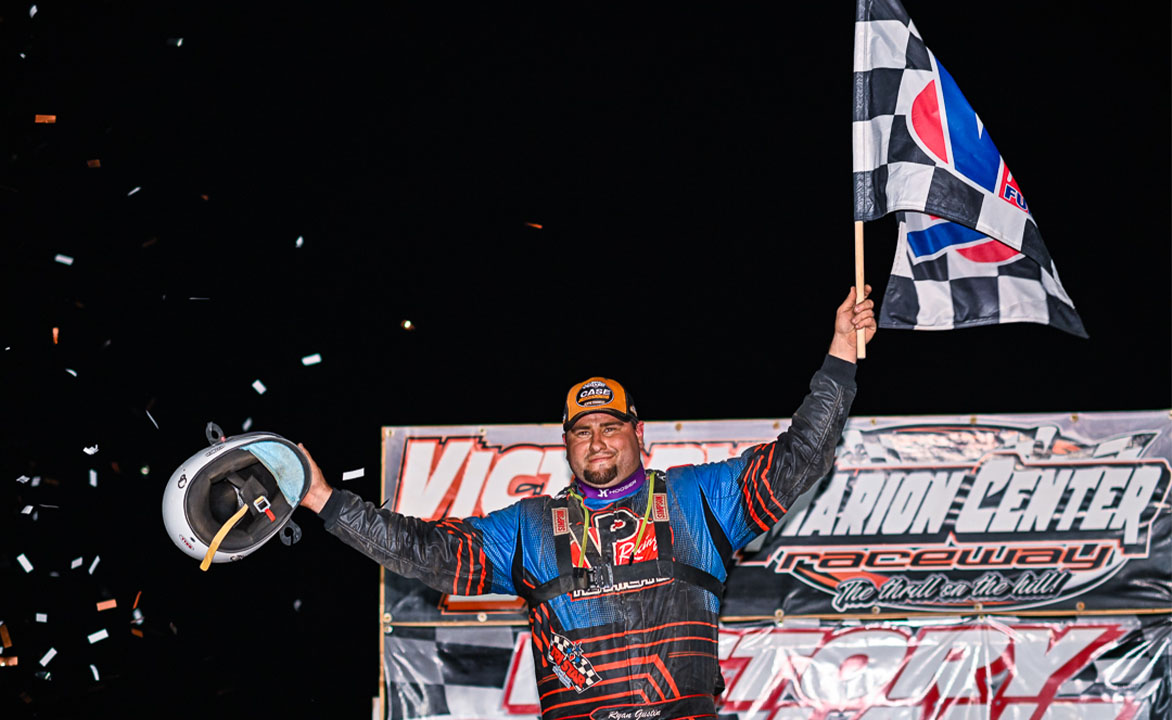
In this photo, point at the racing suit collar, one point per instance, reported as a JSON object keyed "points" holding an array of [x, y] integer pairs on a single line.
{"points": [[615, 492]]}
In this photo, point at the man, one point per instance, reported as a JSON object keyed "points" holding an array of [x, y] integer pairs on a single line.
{"points": [[623, 571]]}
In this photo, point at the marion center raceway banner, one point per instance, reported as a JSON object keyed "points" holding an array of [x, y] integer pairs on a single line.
{"points": [[949, 567]]}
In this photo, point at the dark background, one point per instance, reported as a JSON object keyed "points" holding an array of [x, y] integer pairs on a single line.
{"points": [[689, 169]]}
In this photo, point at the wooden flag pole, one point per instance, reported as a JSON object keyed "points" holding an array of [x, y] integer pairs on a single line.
{"points": [[861, 333]]}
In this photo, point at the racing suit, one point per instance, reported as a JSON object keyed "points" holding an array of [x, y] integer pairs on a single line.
{"points": [[629, 629]]}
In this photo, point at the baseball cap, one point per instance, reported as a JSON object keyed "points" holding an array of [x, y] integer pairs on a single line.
{"points": [[598, 394]]}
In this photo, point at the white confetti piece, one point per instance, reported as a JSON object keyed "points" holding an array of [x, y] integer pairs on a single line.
{"points": [[297, 605], [300, 240], [353, 474], [75, 564], [94, 564], [93, 478], [36, 480], [175, 42], [152, 419], [64, 259], [94, 670], [42, 617], [27, 509], [137, 614], [48, 656], [136, 189], [24, 563], [247, 424], [32, 10], [259, 387], [313, 359], [71, 371], [99, 635], [22, 479], [90, 450]]}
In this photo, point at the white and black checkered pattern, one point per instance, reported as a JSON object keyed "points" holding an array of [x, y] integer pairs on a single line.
{"points": [[949, 291], [892, 172]]}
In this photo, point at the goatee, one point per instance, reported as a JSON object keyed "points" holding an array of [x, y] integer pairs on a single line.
{"points": [[601, 478]]}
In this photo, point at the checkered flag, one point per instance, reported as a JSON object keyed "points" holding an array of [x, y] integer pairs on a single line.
{"points": [[976, 257]]}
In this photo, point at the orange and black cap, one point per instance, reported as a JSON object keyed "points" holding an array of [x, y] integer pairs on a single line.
{"points": [[598, 394]]}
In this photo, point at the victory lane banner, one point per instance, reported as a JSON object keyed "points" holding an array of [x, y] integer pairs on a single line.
{"points": [[986, 668], [968, 514]]}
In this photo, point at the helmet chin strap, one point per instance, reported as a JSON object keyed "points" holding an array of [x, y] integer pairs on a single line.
{"points": [[219, 538]]}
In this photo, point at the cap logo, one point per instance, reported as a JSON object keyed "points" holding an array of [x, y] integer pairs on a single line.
{"points": [[595, 393]]}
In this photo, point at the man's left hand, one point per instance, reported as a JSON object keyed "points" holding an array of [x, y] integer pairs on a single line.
{"points": [[852, 316]]}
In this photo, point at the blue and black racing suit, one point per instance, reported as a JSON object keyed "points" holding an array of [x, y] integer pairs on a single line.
{"points": [[632, 625]]}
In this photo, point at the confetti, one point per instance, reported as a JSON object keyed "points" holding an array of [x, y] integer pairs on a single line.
{"points": [[93, 163], [5, 640], [297, 605], [259, 387], [137, 614], [27, 509], [32, 10], [22, 479], [90, 450], [136, 632], [63, 259], [94, 564], [313, 359], [48, 656], [353, 474], [107, 605], [152, 419], [36, 480], [407, 325], [94, 670], [45, 119], [145, 470], [175, 42], [136, 597], [533, 225], [8, 662], [134, 190], [71, 371], [24, 563], [99, 635], [56, 332], [204, 197], [42, 617], [300, 240], [247, 424], [93, 478], [75, 564]]}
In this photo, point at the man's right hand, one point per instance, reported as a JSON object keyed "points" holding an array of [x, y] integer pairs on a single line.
{"points": [[319, 489]]}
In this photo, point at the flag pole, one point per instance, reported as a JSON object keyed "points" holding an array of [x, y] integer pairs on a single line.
{"points": [[861, 333]]}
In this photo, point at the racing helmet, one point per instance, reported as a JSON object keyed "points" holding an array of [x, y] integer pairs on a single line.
{"points": [[227, 500]]}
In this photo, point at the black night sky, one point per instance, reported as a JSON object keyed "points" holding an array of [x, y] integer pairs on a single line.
{"points": [[690, 173]]}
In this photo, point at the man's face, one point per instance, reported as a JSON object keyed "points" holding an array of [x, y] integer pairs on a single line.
{"points": [[603, 450]]}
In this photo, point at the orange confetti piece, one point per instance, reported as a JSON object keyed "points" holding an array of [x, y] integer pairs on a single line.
{"points": [[107, 605], [56, 332], [4, 638], [136, 597], [8, 661], [93, 163], [136, 632], [45, 119], [204, 198], [534, 225]]}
